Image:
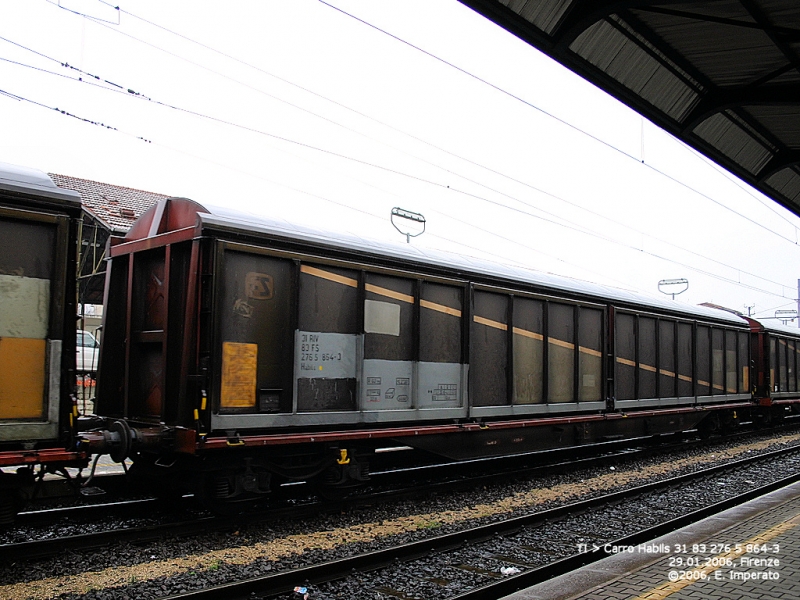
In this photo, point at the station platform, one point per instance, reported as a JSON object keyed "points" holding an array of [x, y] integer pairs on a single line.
{"points": [[749, 552]]}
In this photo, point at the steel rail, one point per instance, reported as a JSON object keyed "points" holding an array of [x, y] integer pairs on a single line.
{"points": [[41, 548], [280, 583], [441, 476], [38, 513]]}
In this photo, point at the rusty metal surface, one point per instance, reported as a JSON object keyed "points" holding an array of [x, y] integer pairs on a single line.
{"points": [[167, 216], [35, 457], [426, 430]]}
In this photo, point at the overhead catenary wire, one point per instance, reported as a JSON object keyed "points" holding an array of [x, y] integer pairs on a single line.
{"points": [[121, 89], [71, 115], [574, 227], [463, 192], [708, 273], [742, 186], [364, 115], [449, 64], [521, 211], [551, 115], [774, 308], [464, 71], [501, 258], [576, 205]]}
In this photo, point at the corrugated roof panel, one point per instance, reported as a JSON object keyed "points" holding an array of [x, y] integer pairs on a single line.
{"points": [[545, 15], [228, 219], [734, 142], [791, 76], [14, 178], [782, 12], [655, 51], [599, 44], [782, 121], [781, 328], [632, 66], [723, 9], [725, 51], [635, 67], [663, 90], [725, 54], [786, 182]]}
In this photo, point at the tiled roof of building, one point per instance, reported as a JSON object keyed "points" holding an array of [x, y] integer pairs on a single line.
{"points": [[115, 206]]}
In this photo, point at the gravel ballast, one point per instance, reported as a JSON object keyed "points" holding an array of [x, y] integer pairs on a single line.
{"points": [[165, 568]]}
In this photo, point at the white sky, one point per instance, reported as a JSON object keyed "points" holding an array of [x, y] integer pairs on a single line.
{"points": [[333, 123]]}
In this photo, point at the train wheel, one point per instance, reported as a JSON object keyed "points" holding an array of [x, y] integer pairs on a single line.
{"points": [[708, 426], [762, 418], [728, 422], [342, 478], [234, 490]]}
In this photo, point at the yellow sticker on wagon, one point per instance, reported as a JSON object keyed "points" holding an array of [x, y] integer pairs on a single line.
{"points": [[239, 370]]}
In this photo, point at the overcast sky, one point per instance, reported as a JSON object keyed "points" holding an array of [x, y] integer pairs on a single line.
{"points": [[331, 114]]}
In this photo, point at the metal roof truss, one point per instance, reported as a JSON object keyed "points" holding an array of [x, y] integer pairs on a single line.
{"points": [[721, 75]]}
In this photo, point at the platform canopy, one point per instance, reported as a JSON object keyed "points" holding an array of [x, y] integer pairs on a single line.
{"points": [[721, 75]]}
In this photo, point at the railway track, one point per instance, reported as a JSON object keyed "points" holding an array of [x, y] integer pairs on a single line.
{"points": [[384, 484], [124, 517], [463, 565], [110, 494], [148, 519]]}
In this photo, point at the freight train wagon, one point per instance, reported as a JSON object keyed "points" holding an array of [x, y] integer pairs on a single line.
{"points": [[239, 353], [776, 355], [38, 245]]}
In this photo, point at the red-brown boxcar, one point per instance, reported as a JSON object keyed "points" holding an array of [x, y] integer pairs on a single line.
{"points": [[239, 353]]}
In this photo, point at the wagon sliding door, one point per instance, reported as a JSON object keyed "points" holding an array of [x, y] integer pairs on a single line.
{"points": [[32, 276], [388, 342], [439, 375], [326, 344], [256, 327]]}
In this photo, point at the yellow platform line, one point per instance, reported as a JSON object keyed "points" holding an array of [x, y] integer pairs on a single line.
{"points": [[667, 589]]}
